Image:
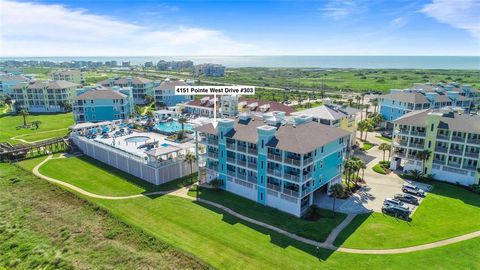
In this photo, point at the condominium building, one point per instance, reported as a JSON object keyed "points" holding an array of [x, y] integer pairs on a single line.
{"points": [[452, 137], [165, 94], [43, 96], [335, 116], [141, 87], [401, 102], [7, 81], [231, 105], [103, 104], [211, 70], [272, 162], [71, 75]]}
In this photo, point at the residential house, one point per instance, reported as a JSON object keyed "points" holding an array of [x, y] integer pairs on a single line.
{"points": [[141, 87], [71, 75], [165, 94]]}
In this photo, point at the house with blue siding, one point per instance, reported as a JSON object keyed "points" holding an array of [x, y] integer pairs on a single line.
{"points": [[271, 161], [103, 104], [400, 102], [141, 87], [165, 94], [8, 81]]}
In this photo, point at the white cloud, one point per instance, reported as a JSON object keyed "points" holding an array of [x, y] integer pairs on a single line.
{"points": [[462, 14], [340, 9], [33, 29], [398, 22]]}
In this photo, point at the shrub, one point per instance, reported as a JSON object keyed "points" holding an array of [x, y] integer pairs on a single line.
{"points": [[216, 183], [476, 188], [379, 169]]}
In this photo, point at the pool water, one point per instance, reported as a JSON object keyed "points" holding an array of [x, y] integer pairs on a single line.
{"points": [[137, 139], [164, 144], [172, 126]]}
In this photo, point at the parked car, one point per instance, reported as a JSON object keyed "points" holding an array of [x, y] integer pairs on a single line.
{"points": [[387, 134], [413, 190], [396, 203], [406, 198], [396, 211]]}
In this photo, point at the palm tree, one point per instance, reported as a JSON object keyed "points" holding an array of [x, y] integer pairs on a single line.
{"points": [[384, 147], [24, 113], [337, 191], [36, 124], [375, 104], [364, 126], [369, 128], [182, 120], [190, 159], [350, 102], [358, 98], [424, 156]]}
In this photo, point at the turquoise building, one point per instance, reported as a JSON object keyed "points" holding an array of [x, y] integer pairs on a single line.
{"points": [[273, 162], [165, 94], [141, 87], [103, 104], [8, 81]]}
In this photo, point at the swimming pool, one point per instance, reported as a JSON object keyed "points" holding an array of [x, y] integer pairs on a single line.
{"points": [[137, 139], [172, 127]]}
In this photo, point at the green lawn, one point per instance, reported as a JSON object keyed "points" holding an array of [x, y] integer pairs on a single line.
{"points": [[49, 127], [45, 227], [384, 138], [228, 243], [367, 146], [446, 212], [100, 178], [316, 230], [378, 168]]}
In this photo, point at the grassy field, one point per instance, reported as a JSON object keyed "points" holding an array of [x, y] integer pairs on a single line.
{"points": [[446, 212], [52, 125], [46, 227], [317, 230], [41, 73], [384, 138], [228, 243], [100, 178]]}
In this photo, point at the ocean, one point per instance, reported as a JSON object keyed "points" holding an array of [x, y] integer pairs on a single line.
{"points": [[314, 61]]}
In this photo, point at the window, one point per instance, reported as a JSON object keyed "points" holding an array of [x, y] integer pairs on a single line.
{"points": [[261, 179], [261, 196], [263, 144], [429, 144], [261, 164], [221, 135], [322, 149]]}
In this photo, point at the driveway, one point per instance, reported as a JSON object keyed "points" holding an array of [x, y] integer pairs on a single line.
{"points": [[378, 187]]}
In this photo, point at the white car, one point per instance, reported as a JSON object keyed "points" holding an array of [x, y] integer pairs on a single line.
{"points": [[413, 190], [395, 202]]}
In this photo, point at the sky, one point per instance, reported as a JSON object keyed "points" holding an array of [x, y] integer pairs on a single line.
{"points": [[174, 28]]}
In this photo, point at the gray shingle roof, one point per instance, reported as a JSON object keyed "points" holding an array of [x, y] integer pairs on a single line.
{"points": [[452, 121], [301, 139], [324, 112], [61, 84], [409, 97], [103, 93], [8, 78], [169, 85]]}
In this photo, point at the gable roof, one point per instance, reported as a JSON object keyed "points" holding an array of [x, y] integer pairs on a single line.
{"points": [[10, 78], [61, 84], [169, 85], [102, 93], [324, 112], [410, 97], [449, 120]]}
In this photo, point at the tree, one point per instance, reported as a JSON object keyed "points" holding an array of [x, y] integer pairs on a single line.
{"points": [[416, 174], [375, 104], [384, 147], [182, 120], [364, 126], [424, 156], [190, 159], [358, 99], [337, 191], [369, 128], [24, 114], [350, 102], [376, 119]]}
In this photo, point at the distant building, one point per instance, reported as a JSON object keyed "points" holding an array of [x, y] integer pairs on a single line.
{"points": [[141, 86], [126, 64], [425, 96], [71, 75], [335, 116], [232, 105], [211, 70], [103, 104], [165, 94], [148, 64], [11, 70], [7, 81], [452, 137], [112, 63], [174, 65], [272, 162], [43, 96]]}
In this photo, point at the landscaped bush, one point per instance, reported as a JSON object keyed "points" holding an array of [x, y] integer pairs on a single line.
{"points": [[367, 146], [378, 168], [476, 188]]}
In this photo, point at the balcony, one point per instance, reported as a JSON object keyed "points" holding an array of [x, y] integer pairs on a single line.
{"points": [[474, 141], [307, 176], [453, 165], [289, 192], [253, 151], [231, 160], [231, 173], [212, 141], [401, 143], [275, 157], [252, 165], [242, 149], [212, 167], [418, 133], [212, 155], [290, 161], [443, 137], [274, 172], [469, 167], [252, 179], [403, 131], [231, 146], [242, 162], [273, 187], [456, 152], [417, 145], [292, 177], [307, 160], [241, 176], [458, 139], [400, 155], [306, 191], [441, 149], [439, 162], [471, 154]]}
